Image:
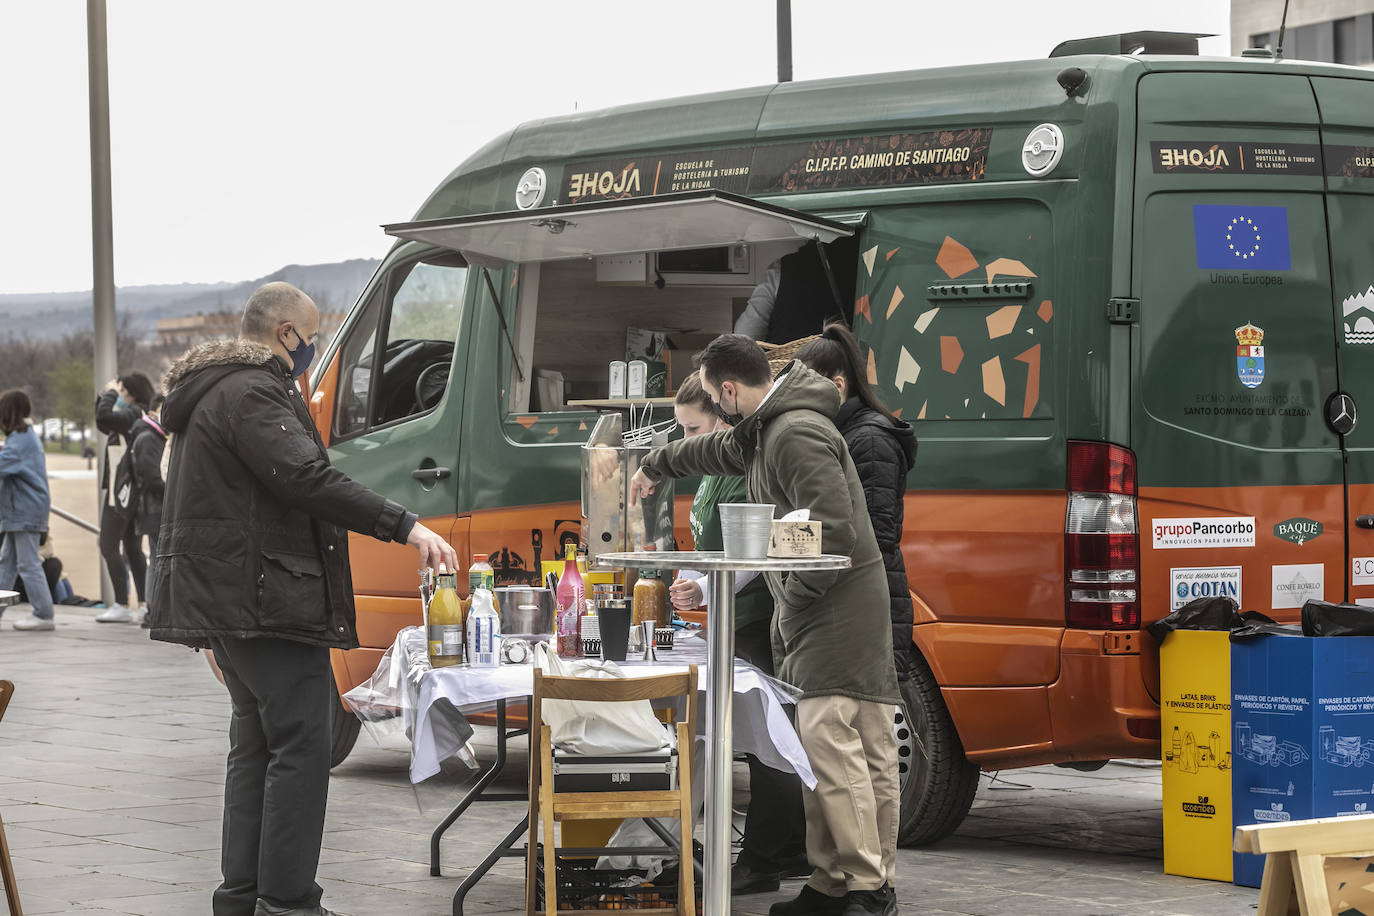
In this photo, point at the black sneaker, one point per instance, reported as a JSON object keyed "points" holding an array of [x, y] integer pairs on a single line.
{"points": [[811, 902], [744, 880], [882, 902]]}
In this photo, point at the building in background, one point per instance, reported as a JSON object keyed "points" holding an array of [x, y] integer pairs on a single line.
{"points": [[1335, 31], [176, 335]]}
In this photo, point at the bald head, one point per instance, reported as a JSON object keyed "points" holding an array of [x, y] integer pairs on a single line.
{"points": [[272, 305]]}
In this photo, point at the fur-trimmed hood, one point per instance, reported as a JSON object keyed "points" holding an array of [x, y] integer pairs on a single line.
{"points": [[234, 351], [199, 368]]}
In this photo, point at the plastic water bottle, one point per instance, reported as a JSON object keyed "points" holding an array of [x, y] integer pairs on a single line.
{"points": [[484, 632]]}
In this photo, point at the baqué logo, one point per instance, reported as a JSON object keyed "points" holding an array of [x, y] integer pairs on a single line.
{"points": [[1298, 530]]}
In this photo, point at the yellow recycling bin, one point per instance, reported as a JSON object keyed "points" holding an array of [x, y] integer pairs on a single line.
{"points": [[1195, 750]]}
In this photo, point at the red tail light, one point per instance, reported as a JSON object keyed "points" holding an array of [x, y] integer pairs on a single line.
{"points": [[1101, 538]]}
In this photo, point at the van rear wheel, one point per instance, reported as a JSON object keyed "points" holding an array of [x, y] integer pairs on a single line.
{"points": [[937, 781], [343, 727]]}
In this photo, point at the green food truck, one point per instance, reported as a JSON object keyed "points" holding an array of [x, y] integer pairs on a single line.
{"points": [[1125, 295]]}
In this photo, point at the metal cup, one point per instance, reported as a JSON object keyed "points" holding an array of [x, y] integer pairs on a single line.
{"points": [[647, 627]]}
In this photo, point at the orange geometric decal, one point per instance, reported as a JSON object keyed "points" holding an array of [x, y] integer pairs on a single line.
{"points": [[922, 414], [1032, 360], [582, 427], [553, 430], [951, 354], [897, 296], [1046, 311], [869, 257], [1002, 321], [1008, 268], [954, 259], [908, 370], [888, 256], [527, 422], [861, 308], [994, 384], [872, 369], [897, 413]]}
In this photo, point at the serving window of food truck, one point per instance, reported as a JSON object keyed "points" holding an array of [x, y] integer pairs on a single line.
{"points": [[586, 274]]}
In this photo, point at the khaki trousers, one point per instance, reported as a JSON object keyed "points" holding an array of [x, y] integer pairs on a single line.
{"points": [[851, 815]]}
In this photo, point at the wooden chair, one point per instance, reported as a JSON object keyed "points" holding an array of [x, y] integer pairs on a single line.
{"points": [[1297, 877], [6, 866], [567, 806]]}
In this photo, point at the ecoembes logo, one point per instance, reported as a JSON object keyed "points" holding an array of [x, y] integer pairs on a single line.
{"points": [[1211, 159], [1178, 533], [1200, 808]]}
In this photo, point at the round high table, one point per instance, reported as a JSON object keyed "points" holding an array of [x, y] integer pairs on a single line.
{"points": [[720, 639]]}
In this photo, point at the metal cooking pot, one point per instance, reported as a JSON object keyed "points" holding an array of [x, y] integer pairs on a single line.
{"points": [[516, 621]]}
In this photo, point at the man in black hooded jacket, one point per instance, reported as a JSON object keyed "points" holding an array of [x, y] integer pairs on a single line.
{"points": [[252, 562]]}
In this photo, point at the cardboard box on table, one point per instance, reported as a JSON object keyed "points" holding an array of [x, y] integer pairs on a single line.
{"points": [[1303, 726], [1195, 722]]}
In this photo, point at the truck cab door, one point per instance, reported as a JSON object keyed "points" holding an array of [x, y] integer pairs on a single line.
{"points": [[392, 399]]}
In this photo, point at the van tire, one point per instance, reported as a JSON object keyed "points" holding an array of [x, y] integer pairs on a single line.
{"points": [[343, 727], [937, 787]]}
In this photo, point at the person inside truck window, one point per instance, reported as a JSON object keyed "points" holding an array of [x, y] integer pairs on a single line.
{"points": [[774, 844], [831, 629], [798, 295], [883, 448]]}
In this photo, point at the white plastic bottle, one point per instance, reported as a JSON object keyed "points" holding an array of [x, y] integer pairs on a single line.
{"points": [[484, 631]]}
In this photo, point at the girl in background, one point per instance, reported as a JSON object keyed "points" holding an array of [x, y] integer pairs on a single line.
{"points": [[24, 506], [119, 407]]}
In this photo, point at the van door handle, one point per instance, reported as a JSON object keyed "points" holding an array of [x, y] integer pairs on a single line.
{"points": [[431, 474], [1364, 521]]}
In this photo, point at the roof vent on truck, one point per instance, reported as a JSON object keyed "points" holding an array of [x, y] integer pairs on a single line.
{"points": [[1133, 43]]}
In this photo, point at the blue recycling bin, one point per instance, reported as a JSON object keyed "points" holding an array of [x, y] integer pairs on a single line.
{"points": [[1302, 719]]}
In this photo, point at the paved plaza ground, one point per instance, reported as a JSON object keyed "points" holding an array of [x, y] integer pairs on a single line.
{"points": [[112, 762]]}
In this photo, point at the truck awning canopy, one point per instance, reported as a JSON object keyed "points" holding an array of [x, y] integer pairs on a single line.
{"points": [[696, 219]]}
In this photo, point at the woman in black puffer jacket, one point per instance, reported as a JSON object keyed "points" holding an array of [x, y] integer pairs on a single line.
{"points": [[883, 449]]}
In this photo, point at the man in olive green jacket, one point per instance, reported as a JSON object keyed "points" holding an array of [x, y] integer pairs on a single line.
{"points": [[832, 636]]}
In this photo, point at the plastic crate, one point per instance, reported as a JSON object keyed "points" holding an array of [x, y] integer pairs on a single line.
{"points": [[582, 886]]}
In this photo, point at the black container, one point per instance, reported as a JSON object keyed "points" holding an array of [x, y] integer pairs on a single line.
{"points": [[583, 886], [614, 616]]}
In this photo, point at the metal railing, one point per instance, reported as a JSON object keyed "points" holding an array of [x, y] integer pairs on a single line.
{"points": [[79, 522]]}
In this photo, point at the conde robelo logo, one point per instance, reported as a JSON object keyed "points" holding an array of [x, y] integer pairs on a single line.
{"points": [[1177, 533], [1298, 530]]}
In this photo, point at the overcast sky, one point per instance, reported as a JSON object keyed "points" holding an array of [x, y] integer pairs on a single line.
{"points": [[251, 134]]}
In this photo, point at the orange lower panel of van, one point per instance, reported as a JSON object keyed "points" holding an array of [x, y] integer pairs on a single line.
{"points": [[970, 655], [1000, 726], [1099, 707]]}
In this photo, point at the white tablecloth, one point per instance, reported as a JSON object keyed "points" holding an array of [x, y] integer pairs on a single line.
{"points": [[427, 697]]}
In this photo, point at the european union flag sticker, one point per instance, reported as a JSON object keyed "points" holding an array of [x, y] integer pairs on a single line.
{"points": [[1241, 237]]}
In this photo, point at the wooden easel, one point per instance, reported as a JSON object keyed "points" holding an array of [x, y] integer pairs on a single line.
{"points": [[1295, 869]]}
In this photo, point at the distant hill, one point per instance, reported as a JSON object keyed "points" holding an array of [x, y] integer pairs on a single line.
{"points": [[334, 287]]}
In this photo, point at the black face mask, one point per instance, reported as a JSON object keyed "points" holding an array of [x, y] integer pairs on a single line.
{"points": [[734, 419]]}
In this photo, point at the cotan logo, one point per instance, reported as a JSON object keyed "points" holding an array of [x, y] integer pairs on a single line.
{"points": [[1298, 530], [1211, 159]]}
